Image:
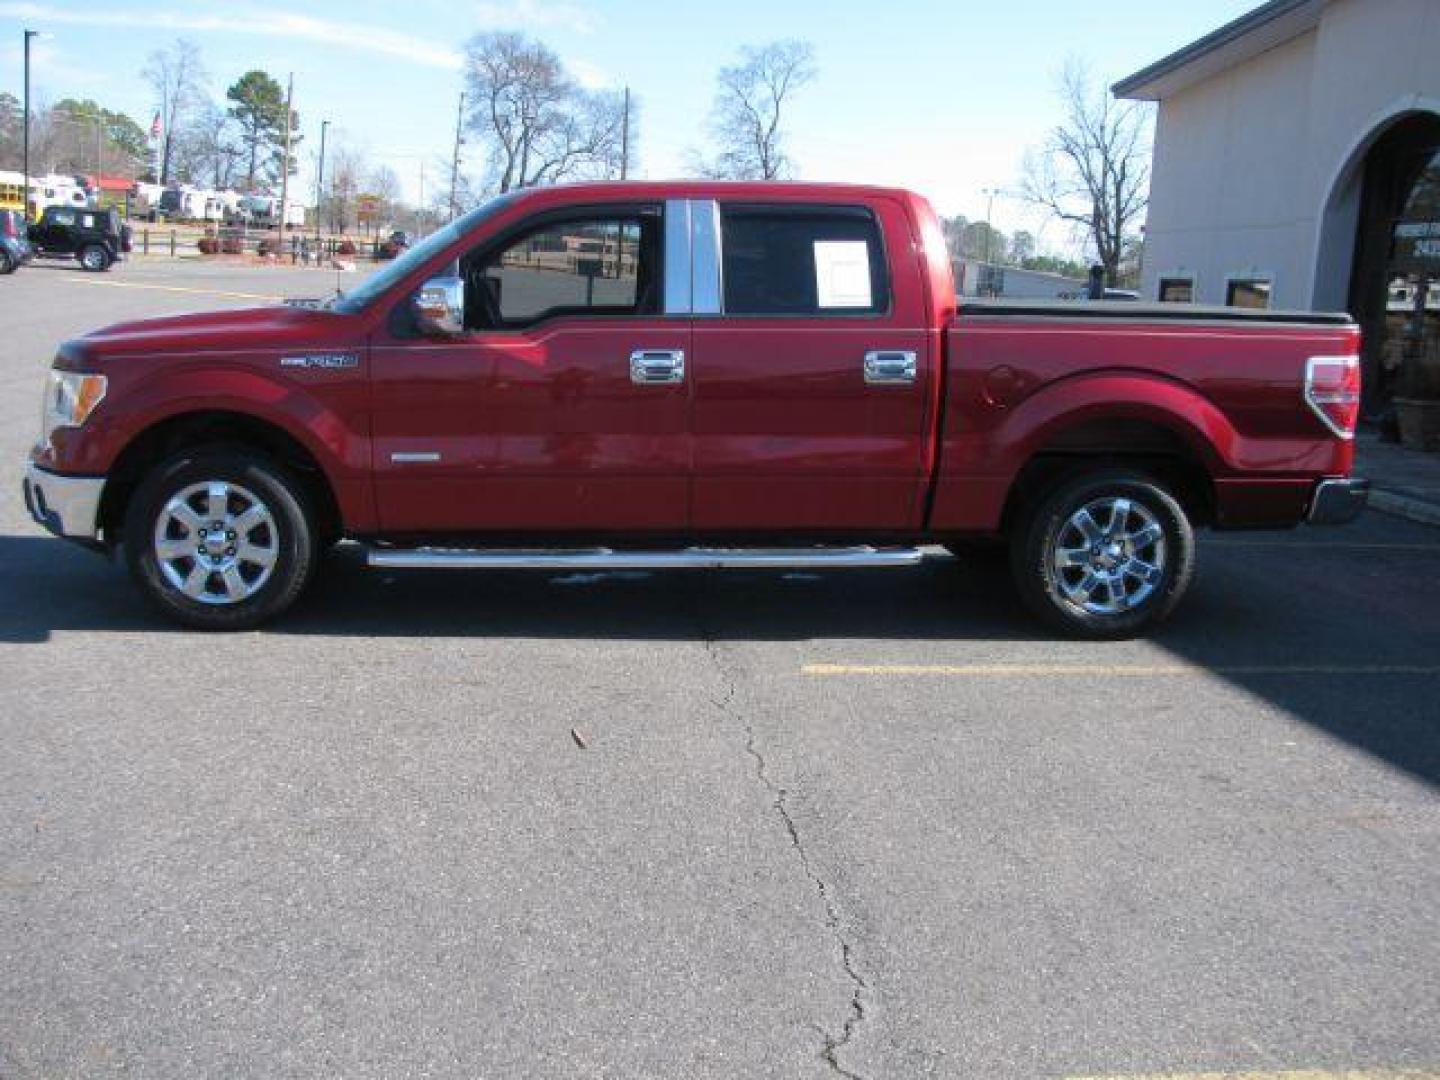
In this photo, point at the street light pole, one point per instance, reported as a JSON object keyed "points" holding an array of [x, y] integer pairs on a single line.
{"points": [[320, 180], [285, 164], [25, 182], [989, 209]]}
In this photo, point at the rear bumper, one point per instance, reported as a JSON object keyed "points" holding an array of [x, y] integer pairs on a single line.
{"points": [[1337, 502], [68, 506]]}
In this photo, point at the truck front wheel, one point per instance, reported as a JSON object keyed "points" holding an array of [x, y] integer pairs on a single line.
{"points": [[220, 539], [1104, 555]]}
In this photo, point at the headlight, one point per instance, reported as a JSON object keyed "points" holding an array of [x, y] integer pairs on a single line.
{"points": [[70, 398]]}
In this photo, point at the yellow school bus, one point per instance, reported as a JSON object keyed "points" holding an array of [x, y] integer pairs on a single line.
{"points": [[12, 192]]}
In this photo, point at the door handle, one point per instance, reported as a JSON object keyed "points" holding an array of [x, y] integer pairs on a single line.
{"points": [[889, 367], [650, 367]]}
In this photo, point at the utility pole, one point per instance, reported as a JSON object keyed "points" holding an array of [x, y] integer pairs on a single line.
{"points": [[625, 138], [320, 180], [285, 161], [25, 183], [455, 161]]}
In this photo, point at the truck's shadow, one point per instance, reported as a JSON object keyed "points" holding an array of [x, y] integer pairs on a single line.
{"points": [[52, 587], [1312, 633]]}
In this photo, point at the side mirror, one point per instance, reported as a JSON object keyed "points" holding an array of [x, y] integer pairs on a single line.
{"points": [[439, 307]]}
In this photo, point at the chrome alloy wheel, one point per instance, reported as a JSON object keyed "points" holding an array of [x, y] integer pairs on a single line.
{"points": [[93, 258], [1109, 556], [216, 542]]}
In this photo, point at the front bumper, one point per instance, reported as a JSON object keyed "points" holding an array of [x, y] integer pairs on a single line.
{"points": [[1337, 502], [68, 506]]}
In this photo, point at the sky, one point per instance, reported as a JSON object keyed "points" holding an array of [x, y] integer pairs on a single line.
{"points": [[942, 96]]}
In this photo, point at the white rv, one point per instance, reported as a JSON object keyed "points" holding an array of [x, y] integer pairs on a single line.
{"points": [[262, 210], [184, 204], [147, 199], [57, 190]]}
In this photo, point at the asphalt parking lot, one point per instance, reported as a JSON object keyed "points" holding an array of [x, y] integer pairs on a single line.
{"points": [[868, 824]]}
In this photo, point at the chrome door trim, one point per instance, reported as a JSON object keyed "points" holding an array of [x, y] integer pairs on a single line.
{"points": [[707, 277], [677, 257], [414, 457], [890, 367]]}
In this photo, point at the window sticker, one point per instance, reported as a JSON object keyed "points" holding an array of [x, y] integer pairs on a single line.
{"points": [[842, 273]]}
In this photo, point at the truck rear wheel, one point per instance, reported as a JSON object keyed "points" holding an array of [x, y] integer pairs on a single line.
{"points": [[220, 539], [1104, 555], [94, 257]]}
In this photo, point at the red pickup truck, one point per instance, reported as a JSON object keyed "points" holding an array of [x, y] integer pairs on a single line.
{"points": [[692, 375]]}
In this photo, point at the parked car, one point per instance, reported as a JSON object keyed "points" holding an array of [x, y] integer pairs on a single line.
{"points": [[15, 249], [97, 238], [672, 375], [393, 245]]}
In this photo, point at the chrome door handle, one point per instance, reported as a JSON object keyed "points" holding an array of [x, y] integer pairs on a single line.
{"points": [[650, 367], [889, 367]]}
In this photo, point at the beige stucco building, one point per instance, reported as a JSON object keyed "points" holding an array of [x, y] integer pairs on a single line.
{"points": [[1297, 162]]}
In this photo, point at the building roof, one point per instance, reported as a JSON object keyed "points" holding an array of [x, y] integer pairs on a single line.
{"points": [[1270, 25]]}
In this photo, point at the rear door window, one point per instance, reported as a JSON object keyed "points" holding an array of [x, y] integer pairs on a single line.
{"points": [[802, 261]]}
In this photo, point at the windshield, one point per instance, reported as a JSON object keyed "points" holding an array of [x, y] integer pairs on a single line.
{"points": [[380, 282]]}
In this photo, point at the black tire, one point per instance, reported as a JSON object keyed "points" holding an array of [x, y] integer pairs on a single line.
{"points": [[94, 258], [252, 478], [1050, 591], [7, 264]]}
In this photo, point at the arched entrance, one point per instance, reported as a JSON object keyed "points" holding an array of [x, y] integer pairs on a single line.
{"points": [[1395, 276]]}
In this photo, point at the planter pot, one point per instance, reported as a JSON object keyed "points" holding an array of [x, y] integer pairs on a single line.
{"points": [[1419, 423]]}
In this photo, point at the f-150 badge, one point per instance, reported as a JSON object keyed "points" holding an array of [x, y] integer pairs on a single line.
{"points": [[321, 360]]}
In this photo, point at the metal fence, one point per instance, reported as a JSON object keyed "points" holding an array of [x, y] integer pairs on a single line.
{"points": [[300, 249]]}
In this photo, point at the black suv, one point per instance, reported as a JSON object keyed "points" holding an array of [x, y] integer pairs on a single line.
{"points": [[15, 249], [97, 238]]}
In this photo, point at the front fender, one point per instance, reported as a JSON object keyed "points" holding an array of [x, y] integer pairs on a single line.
{"points": [[332, 438]]}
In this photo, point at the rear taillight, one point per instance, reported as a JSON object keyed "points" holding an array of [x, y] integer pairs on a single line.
{"points": [[1332, 390], [7, 226]]}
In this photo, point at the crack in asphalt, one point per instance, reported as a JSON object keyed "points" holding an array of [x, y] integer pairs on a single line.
{"points": [[856, 1014]]}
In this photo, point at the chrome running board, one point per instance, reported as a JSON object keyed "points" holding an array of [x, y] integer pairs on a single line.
{"points": [[693, 558]]}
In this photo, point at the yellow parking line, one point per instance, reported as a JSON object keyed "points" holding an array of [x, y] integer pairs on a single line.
{"points": [[1144, 671], [176, 289], [1301, 1074]]}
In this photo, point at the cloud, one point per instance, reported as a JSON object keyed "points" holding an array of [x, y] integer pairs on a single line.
{"points": [[258, 21], [533, 15], [49, 64], [590, 76]]}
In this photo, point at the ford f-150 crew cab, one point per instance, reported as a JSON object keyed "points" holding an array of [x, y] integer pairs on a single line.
{"points": [[692, 375]]}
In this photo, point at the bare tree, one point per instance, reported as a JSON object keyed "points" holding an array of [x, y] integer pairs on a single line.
{"points": [[537, 124], [176, 76], [384, 184], [208, 149], [344, 170], [750, 100], [1094, 170]]}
